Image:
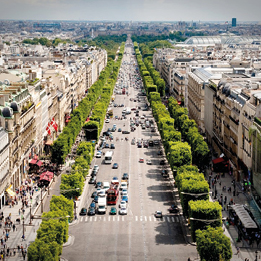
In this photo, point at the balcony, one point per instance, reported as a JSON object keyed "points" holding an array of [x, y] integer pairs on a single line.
{"points": [[235, 121]]}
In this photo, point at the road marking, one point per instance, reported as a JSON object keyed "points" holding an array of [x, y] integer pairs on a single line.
{"points": [[122, 218], [91, 219], [104, 219], [168, 219], [155, 219], [113, 218], [86, 219], [173, 220], [81, 219], [150, 218], [145, 218], [95, 218], [136, 218], [177, 219], [109, 218], [163, 219], [118, 218]]}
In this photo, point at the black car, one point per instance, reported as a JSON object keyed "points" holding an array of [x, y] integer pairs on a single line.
{"points": [[83, 212], [139, 145], [125, 132], [91, 211], [107, 146], [94, 194], [145, 145], [162, 162], [125, 176], [94, 173], [173, 209], [112, 146], [96, 198], [92, 180]]}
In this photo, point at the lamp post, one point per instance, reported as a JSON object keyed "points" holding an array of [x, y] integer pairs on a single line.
{"points": [[196, 195]]}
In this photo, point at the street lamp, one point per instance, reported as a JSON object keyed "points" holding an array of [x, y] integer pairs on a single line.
{"points": [[207, 221], [196, 195]]}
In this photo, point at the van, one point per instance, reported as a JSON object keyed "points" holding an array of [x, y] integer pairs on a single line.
{"points": [[106, 185]]}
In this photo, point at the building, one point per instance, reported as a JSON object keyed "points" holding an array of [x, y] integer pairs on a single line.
{"points": [[234, 22]]}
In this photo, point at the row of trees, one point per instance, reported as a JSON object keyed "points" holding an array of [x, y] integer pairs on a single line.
{"points": [[192, 186], [45, 41], [53, 231]]}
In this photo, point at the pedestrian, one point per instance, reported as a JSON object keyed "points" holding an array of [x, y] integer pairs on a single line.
{"points": [[18, 248], [238, 250], [13, 227]]}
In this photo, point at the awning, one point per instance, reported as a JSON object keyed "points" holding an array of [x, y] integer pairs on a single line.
{"points": [[33, 161], [10, 191], [39, 163], [46, 176], [243, 215], [49, 142], [218, 160]]}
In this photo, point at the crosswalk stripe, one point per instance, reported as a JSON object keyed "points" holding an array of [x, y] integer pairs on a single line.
{"points": [[140, 218], [104, 218], [81, 219], [118, 218], [136, 218], [177, 219], [150, 218], [113, 219], [173, 220], [86, 219], [122, 218], [168, 219], [155, 219], [95, 218], [90, 218], [145, 218], [163, 218], [109, 218]]}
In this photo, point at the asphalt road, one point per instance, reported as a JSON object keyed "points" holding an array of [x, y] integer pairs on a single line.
{"points": [[137, 235]]}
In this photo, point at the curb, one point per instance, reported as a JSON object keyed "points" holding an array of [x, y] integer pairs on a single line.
{"points": [[69, 242]]}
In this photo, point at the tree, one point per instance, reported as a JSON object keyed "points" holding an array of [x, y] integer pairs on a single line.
{"points": [[213, 245]]}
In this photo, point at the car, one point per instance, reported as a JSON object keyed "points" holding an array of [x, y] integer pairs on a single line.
{"points": [[115, 165], [141, 160], [158, 214], [109, 130], [139, 145], [107, 120], [94, 173], [119, 130], [83, 212], [98, 154], [142, 117], [125, 176], [113, 211], [124, 193], [115, 180], [114, 126], [123, 204], [96, 167], [123, 211], [113, 129], [98, 184], [133, 142], [107, 146], [124, 190], [91, 212], [94, 194], [125, 198], [124, 185], [93, 205], [162, 162], [112, 146], [133, 109], [143, 126], [173, 209], [149, 162], [156, 142], [92, 180], [125, 132], [96, 198], [145, 145]]}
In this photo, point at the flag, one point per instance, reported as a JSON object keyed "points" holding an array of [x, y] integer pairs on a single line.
{"points": [[54, 124], [48, 129]]}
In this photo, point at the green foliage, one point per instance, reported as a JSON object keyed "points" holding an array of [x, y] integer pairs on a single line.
{"points": [[213, 245], [202, 210], [45, 41]]}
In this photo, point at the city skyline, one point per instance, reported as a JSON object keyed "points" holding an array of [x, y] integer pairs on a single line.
{"points": [[118, 10]]}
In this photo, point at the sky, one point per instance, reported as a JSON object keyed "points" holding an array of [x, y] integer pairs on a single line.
{"points": [[131, 10]]}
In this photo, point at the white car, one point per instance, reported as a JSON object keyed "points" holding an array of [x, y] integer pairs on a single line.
{"points": [[124, 193], [96, 167], [98, 154], [124, 185], [149, 162], [123, 211], [124, 190], [123, 204], [107, 121]]}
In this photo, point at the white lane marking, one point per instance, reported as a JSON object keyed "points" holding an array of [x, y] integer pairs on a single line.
{"points": [[95, 218], [140, 218], [113, 218], [168, 219], [86, 219], [173, 220], [163, 219], [118, 218], [150, 218], [122, 218], [136, 218], [177, 219], [91, 219], [81, 219], [109, 218], [145, 218], [104, 219]]}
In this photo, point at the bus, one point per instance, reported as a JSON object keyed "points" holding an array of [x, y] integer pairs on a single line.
{"points": [[112, 195], [108, 157]]}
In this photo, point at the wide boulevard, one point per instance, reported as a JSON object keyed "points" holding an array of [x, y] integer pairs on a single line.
{"points": [[137, 235]]}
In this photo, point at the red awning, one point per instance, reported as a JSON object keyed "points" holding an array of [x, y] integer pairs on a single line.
{"points": [[46, 176], [218, 160], [39, 163], [33, 161]]}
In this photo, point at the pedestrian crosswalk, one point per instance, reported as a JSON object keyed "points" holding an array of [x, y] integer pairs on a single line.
{"points": [[168, 219]]}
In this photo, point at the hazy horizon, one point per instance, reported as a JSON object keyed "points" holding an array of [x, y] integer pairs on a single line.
{"points": [[131, 10]]}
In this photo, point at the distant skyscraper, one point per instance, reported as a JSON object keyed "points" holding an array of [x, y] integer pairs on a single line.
{"points": [[234, 22]]}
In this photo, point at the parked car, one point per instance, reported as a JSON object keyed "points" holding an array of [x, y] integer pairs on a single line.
{"points": [[173, 209], [113, 211], [141, 160], [123, 211], [83, 212], [115, 165], [158, 214], [92, 180], [91, 211], [162, 162]]}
